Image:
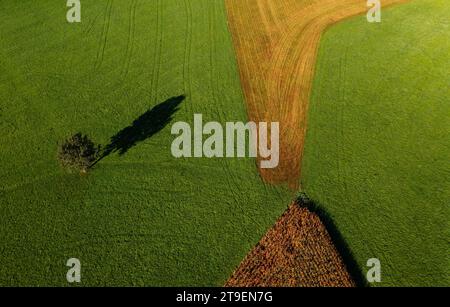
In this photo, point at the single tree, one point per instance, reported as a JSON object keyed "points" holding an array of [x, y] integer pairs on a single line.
{"points": [[78, 152]]}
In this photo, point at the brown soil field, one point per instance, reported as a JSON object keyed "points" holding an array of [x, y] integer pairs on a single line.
{"points": [[296, 252], [276, 42]]}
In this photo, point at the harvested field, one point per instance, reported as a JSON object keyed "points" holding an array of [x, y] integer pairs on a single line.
{"points": [[296, 252], [276, 44]]}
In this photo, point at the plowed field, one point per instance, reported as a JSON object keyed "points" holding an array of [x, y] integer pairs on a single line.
{"points": [[296, 252]]}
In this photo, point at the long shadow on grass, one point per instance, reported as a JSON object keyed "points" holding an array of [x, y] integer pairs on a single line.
{"points": [[143, 128], [337, 238]]}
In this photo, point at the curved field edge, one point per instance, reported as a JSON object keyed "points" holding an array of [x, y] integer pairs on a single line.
{"points": [[144, 218], [276, 44], [377, 147]]}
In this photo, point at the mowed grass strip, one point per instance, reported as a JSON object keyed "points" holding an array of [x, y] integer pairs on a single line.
{"points": [[143, 218], [377, 148], [276, 43]]}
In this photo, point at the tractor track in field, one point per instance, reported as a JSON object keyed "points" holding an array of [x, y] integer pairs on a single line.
{"points": [[104, 35], [187, 53], [131, 38], [276, 43], [91, 25], [158, 50]]}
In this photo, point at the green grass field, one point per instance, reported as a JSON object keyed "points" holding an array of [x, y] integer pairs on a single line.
{"points": [[378, 148], [376, 159], [143, 218]]}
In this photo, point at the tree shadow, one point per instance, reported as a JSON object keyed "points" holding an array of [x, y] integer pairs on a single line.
{"points": [[337, 238], [144, 127]]}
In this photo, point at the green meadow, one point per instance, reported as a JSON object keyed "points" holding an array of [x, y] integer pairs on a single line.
{"points": [[144, 217], [378, 148]]}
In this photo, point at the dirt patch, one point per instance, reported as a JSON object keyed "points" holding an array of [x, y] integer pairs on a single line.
{"points": [[296, 252], [276, 44]]}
